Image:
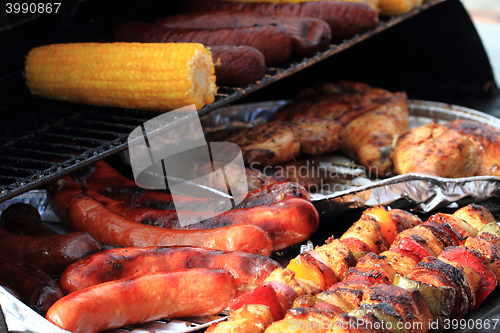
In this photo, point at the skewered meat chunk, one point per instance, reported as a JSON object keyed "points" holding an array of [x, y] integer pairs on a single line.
{"points": [[409, 304], [368, 230], [438, 273], [470, 258], [402, 263], [475, 215], [379, 262], [253, 318], [302, 320], [337, 256], [489, 252]]}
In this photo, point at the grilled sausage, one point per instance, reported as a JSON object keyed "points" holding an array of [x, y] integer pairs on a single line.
{"points": [[193, 292], [309, 35], [24, 219], [9, 289], [237, 66], [346, 19], [52, 254], [275, 44], [35, 288], [287, 223], [89, 215], [104, 179], [248, 270]]}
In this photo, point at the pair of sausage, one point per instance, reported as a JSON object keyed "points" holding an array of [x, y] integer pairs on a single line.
{"points": [[309, 35], [40, 245], [34, 287], [274, 44], [248, 270], [281, 209], [346, 19], [89, 215]]}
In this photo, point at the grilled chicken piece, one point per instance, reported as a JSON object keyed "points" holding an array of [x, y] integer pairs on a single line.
{"points": [[253, 318], [334, 101], [461, 148], [369, 137], [409, 304], [269, 144], [318, 136], [278, 142], [437, 151], [487, 140]]}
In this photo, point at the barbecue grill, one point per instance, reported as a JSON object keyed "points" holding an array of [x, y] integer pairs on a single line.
{"points": [[41, 140], [432, 52]]}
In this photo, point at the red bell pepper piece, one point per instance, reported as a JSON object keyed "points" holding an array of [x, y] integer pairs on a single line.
{"points": [[473, 259], [264, 295], [413, 247]]}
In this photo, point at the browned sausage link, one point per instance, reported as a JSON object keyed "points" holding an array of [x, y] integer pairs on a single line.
{"points": [[35, 288], [248, 270], [52, 254], [63, 191], [275, 44], [237, 66], [104, 179], [24, 219], [184, 293], [87, 214], [346, 19], [309, 35], [168, 218], [288, 222], [9, 289]]}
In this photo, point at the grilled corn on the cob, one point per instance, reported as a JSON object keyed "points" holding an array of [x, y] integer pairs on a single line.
{"points": [[158, 77], [396, 7]]}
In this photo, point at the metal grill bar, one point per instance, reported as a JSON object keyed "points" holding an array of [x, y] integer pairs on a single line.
{"points": [[42, 140]]}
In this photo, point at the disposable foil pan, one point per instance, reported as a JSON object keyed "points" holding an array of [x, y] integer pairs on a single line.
{"points": [[420, 193]]}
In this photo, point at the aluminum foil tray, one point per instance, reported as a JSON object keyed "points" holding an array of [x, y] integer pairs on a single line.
{"points": [[416, 192]]}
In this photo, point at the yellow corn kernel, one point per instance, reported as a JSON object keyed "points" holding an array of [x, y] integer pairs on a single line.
{"points": [[145, 76], [396, 7], [373, 3]]}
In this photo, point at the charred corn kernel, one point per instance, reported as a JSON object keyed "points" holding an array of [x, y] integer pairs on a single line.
{"points": [[396, 7], [146, 76], [373, 3]]}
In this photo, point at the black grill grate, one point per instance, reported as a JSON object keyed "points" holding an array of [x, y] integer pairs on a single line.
{"points": [[42, 141]]}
